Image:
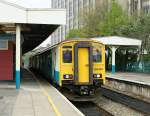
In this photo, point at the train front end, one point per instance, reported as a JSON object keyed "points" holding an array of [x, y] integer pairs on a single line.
{"points": [[82, 66]]}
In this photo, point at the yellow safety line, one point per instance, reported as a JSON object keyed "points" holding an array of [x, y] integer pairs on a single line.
{"points": [[49, 98], [52, 103]]}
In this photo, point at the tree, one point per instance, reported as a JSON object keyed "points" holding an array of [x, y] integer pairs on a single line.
{"points": [[93, 18], [75, 33], [113, 21], [101, 21], [142, 30], [89, 20], [138, 28]]}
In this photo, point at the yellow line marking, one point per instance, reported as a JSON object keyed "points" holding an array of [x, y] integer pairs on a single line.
{"points": [[78, 111], [52, 103], [47, 95]]}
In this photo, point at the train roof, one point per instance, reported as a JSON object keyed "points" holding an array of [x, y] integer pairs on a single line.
{"points": [[40, 51], [79, 39]]}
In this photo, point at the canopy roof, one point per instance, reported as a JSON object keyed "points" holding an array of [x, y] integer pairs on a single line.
{"points": [[36, 23], [119, 41]]}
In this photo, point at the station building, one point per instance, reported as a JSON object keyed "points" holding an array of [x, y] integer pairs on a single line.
{"points": [[21, 30]]}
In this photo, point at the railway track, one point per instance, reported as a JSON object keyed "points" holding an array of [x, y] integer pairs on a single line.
{"points": [[90, 109], [129, 101], [85, 104]]}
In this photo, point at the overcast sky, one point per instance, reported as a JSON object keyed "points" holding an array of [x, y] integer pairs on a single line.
{"points": [[32, 3]]}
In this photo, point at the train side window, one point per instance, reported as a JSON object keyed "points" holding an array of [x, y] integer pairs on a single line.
{"points": [[97, 56], [67, 56]]}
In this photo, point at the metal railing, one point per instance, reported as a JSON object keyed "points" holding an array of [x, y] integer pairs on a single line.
{"points": [[143, 66]]}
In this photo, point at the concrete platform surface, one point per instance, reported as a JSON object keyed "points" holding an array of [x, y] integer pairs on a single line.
{"points": [[7, 100], [139, 78], [35, 98]]}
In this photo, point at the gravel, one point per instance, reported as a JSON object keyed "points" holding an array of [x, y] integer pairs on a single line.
{"points": [[115, 108]]}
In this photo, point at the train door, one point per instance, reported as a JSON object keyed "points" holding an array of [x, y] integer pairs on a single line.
{"points": [[83, 64]]}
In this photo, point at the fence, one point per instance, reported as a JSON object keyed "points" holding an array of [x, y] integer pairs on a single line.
{"points": [[143, 66]]}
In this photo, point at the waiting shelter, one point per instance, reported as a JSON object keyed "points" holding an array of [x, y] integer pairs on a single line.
{"points": [[114, 42], [21, 30]]}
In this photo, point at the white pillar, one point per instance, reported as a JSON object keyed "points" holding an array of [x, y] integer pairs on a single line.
{"points": [[18, 42], [113, 51]]}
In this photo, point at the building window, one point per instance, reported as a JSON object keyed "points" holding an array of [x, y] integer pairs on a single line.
{"points": [[3, 45]]}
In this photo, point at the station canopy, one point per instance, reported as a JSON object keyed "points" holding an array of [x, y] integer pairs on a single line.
{"points": [[119, 41], [36, 23]]}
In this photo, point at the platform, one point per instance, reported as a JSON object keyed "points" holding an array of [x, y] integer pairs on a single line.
{"points": [[139, 78], [132, 84], [35, 98]]}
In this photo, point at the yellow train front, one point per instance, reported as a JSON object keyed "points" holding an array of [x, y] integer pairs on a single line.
{"points": [[75, 64]]}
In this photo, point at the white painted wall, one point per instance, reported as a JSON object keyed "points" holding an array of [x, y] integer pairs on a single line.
{"points": [[47, 16]]}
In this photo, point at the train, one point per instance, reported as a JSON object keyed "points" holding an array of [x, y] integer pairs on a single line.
{"points": [[76, 64]]}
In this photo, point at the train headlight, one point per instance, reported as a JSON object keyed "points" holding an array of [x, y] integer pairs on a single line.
{"points": [[68, 76], [97, 75]]}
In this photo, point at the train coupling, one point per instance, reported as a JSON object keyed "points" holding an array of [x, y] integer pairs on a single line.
{"points": [[85, 90]]}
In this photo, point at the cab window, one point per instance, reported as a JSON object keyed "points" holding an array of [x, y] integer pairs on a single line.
{"points": [[67, 56], [97, 56]]}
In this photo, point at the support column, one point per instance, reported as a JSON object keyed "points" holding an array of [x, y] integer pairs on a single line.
{"points": [[113, 51], [18, 42], [139, 54]]}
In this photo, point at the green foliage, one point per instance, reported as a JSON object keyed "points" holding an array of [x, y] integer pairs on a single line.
{"points": [[114, 19], [138, 28], [101, 22], [142, 30], [75, 33], [90, 20], [146, 57], [93, 19], [90, 27]]}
